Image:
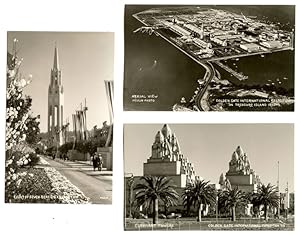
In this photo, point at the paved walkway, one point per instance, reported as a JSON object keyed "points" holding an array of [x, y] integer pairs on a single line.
{"points": [[97, 185]]}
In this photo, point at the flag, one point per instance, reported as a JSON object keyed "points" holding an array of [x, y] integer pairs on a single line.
{"points": [[110, 96]]}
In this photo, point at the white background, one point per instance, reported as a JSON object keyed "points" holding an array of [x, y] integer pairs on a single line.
{"points": [[99, 220]]}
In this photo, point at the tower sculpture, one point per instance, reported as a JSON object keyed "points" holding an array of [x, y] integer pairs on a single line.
{"points": [[167, 159], [240, 174], [55, 104]]}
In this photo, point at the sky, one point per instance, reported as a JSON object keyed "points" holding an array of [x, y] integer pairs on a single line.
{"points": [[85, 59], [210, 146]]}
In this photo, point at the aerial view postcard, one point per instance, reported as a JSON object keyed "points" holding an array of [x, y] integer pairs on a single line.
{"points": [[209, 58]]}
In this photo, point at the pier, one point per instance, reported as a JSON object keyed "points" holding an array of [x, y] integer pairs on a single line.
{"points": [[238, 75]]}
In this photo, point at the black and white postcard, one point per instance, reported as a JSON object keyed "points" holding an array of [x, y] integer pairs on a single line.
{"points": [[209, 58], [59, 117], [209, 177]]}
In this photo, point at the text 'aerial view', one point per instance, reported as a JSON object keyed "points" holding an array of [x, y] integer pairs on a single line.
{"points": [[209, 58]]}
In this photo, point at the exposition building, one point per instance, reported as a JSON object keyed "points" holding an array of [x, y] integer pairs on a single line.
{"points": [[240, 173], [167, 160]]}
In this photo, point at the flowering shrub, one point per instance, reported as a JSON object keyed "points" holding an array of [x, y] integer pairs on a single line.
{"points": [[19, 123], [33, 159], [64, 189], [33, 187]]}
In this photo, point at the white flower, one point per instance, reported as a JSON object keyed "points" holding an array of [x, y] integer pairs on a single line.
{"points": [[18, 182], [14, 177], [22, 83]]}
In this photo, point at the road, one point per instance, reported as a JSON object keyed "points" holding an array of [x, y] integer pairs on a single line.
{"points": [[97, 185], [209, 75]]}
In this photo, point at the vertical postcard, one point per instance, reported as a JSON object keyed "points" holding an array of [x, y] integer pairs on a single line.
{"points": [[209, 177], [59, 117], [209, 58]]}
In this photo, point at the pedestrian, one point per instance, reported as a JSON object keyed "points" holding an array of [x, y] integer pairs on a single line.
{"points": [[100, 162], [97, 161], [94, 160]]}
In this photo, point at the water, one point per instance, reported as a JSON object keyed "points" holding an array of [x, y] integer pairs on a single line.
{"points": [[154, 66], [175, 75], [277, 68]]}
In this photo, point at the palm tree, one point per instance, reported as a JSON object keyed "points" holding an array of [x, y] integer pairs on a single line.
{"points": [[267, 196], [252, 199], [130, 183], [233, 198], [201, 193], [222, 208], [154, 189], [187, 198]]}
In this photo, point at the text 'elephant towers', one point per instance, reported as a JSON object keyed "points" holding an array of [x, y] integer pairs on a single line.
{"points": [[167, 160], [55, 103]]}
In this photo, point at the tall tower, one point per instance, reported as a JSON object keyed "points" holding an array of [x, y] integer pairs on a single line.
{"points": [[55, 104]]}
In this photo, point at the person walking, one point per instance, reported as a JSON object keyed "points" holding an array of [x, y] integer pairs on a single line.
{"points": [[100, 162], [94, 160]]}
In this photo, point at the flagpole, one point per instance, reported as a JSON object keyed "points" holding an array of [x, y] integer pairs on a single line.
{"points": [[278, 212], [287, 199]]}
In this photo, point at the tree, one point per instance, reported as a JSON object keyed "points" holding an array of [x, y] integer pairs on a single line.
{"points": [[154, 189], [253, 199], [222, 208], [233, 198], [33, 130], [130, 183], [187, 198], [267, 196], [201, 193], [64, 148], [17, 117]]}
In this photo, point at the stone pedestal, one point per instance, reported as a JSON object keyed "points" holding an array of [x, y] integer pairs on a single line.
{"points": [[107, 156]]}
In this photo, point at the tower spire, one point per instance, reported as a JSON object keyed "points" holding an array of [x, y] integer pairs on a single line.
{"points": [[56, 62]]}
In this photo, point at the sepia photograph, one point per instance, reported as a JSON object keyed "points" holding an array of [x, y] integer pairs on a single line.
{"points": [[59, 117], [209, 177], [209, 58]]}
